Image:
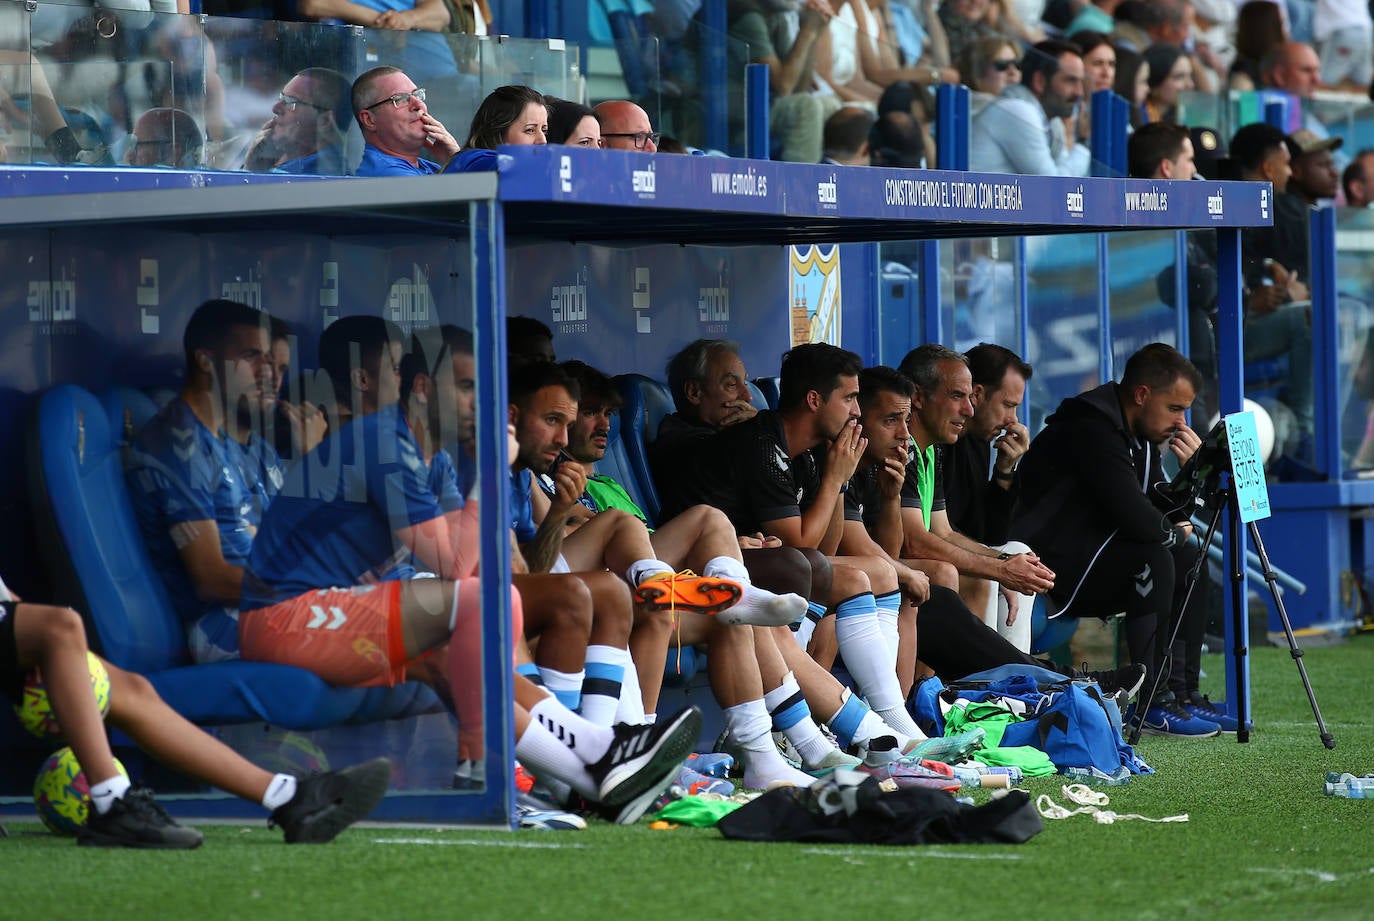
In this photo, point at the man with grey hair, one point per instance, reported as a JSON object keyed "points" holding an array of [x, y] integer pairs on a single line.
{"points": [[941, 409]]}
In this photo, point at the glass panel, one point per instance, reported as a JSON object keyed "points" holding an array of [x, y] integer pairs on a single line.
{"points": [[701, 93], [1355, 286], [313, 66], [26, 118], [978, 293], [1141, 266], [1065, 332], [899, 301]]}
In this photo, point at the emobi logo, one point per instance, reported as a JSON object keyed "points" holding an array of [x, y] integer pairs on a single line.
{"points": [[643, 182], [565, 173], [1215, 206], [568, 303], [1074, 202], [828, 191], [1264, 202]]}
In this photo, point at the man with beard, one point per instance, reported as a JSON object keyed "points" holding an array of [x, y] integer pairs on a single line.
{"points": [[1030, 128], [200, 477], [306, 131]]}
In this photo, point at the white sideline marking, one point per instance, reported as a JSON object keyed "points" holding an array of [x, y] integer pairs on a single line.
{"points": [[867, 852], [1321, 876], [474, 842]]}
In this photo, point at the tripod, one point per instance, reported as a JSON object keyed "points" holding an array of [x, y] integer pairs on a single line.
{"points": [[1222, 498]]}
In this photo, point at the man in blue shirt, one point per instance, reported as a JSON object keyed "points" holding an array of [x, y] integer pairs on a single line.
{"points": [[200, 478], [333, 587], [402, 138], [306, 132]]}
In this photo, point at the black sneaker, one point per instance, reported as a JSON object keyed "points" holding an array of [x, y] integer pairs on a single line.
{"points": [[326, 804], [136, 820], [1124, 681], [640, 756]]}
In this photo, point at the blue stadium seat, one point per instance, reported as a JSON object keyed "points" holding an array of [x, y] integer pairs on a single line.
{"points": [[765, 392], [647, 401], [98, 561], [617, 464]]}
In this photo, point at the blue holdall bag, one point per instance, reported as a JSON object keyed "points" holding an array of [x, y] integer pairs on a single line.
{"points": [[1068, 719]]}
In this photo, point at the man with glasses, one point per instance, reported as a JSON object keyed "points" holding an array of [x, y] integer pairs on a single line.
{"points": [[401, 137], [625, 126], [306, 131], [165, 137]]}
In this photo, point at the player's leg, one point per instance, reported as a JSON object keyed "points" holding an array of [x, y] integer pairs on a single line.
{"points": [[787, 704], [558, 612], [702, 538]]}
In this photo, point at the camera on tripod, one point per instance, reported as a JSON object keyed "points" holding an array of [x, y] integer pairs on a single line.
{"points": [[1197, 483]]}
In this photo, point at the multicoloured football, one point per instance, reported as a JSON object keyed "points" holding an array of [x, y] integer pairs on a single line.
{"points": [[61, 793], [35, 711]]}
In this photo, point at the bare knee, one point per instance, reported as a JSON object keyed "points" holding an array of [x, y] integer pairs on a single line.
{"points": [[130, 693], [60, 627], [846, 582], [942, 573], [822, 573]]}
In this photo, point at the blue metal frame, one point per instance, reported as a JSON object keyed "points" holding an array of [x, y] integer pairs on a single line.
{"points": [[1230, 325], [1325, 341], [489, 345], [715, 76], [756, 107], [952, 126], [1105, 358]]}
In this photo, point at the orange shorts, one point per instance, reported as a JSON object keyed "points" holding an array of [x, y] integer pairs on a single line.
{"points": [[350, 637]]}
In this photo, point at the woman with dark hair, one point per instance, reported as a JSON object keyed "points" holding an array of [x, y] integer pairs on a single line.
{"points": [[1099, 61], [512, 114], [1132, 82], [572, 123], [1259, 30], [1171, 74]]}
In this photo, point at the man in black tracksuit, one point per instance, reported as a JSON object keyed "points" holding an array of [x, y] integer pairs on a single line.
{"points": [[1089, 505]]}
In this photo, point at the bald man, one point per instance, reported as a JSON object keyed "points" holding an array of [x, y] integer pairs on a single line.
{"points": [[625, 126], [165, 137]]}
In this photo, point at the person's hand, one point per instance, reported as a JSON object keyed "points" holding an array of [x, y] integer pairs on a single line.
{"points": [[437, 139], [1025, 574], [1265, 299], [1013, 602], [758, 541], [262, 150], [1010, 445], [915, 585], [843, 457], [403, 20], [893, 473], [308, 425], [1183, 443], [815, 14], [569, 483], [738, 411], [578, 515]]}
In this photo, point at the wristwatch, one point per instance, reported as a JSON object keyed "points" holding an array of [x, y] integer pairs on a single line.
{"points": [[1004, 556], [1004, 477]]}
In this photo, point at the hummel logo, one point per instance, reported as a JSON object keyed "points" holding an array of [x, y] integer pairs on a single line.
{"points": [[1144, 584], [559, 732], [318, 617]]}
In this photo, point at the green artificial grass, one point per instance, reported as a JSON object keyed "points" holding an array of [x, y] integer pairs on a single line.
{"points": [[1262, 841]]}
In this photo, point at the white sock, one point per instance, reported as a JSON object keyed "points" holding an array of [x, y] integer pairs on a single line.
{"points": [[604, 683], [566, 686], [872, 727], [104, 794], [547, 758], [630, 707], [585, 739], [792, 717], [279, 792], [888, 606], [645, 569], [865, 652], [807, 625], [757, 607], [750, 737]]}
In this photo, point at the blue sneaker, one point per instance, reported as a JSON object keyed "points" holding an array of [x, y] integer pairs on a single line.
{"points": [[1167, 718], [1202, 707], [712, 764]]}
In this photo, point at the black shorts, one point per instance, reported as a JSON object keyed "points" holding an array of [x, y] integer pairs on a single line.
{"points": [[11, 675]]}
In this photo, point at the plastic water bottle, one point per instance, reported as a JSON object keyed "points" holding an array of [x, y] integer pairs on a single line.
{"points": [[1350, 786]]}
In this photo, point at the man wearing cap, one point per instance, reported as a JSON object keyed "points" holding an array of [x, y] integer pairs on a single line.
{"points": [[1314, 166]]}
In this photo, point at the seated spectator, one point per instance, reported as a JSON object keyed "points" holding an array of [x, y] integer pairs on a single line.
{"points": [[1172, 22], [398, 130], [846, 137], [1099, 73], [669, 144], [1358, 180], [511, 114], [405, 30], [1093, 17], [878, 52], [988, 66], [306, 132], [1314, 176], [898, 141], [1259, 30], [1294, 68], [784, 37], [1344, 36], [1171, 74], [1132, 82], [572, 123], [1030, 129], [165, 137], [625, 126], [917, 36], [841, 63], [965, 21]]}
